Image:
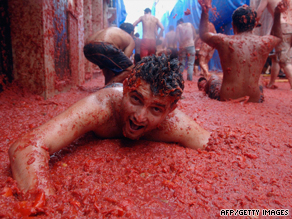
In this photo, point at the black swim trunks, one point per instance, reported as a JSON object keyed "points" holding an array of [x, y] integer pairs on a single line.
{"points": [[106, 55], [174, 53]]}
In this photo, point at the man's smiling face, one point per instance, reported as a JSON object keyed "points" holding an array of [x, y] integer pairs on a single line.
{"points": [[142, 111]]}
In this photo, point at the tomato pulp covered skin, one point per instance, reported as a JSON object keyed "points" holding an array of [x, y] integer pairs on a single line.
{"points": [[247, 163]]}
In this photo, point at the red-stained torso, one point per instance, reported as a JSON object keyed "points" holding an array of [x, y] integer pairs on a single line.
{"points": [[150, 25], [170, 40], [185, 34], [242, 58]]}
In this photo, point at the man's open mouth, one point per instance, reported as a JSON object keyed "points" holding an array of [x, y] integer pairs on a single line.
{"points": [[134, 126]]}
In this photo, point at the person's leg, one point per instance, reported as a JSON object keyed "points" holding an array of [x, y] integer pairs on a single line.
{"points": [[182, 59], [191, 59], [121, 77], [288, 72], [204, 66], [108, 75], [275, 68]]}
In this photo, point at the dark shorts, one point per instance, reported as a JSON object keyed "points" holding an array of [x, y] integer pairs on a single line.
{"points": [[174, 53], [137, 58], [107, 56]]}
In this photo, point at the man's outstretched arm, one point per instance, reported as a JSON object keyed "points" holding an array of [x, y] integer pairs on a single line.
{"points": [[137, 21], [180, 128], [29, 155]]}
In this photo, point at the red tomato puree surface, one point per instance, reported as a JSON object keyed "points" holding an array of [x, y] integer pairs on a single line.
{"points": [[248, 163]]}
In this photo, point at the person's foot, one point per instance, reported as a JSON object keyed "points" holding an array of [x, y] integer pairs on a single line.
{"points": [[271, 86]]}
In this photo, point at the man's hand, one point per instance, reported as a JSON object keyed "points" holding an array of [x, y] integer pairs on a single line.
{"points": [[282, 6], [206, 4]]}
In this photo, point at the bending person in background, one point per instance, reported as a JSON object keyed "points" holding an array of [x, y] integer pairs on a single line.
{"points": [[243, 54], [111, 49], [186, 33], [283, 54], [150, 25]]}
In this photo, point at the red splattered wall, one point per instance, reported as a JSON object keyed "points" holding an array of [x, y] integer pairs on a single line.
{"points": [[5, 45], [27, 43], [46, 58]]}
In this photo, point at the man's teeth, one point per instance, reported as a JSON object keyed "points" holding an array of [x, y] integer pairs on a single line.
{"points": [[134, 126]]}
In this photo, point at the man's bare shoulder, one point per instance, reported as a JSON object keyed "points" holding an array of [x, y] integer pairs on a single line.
{"points": [[180, 128], [108, 94], [108, 104]]}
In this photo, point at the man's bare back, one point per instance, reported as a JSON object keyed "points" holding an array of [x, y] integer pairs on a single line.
{"points": [[185, 33], [242, 58], [150, 25], [115, 36], [110, 49], [242, 55], [170, 40]]}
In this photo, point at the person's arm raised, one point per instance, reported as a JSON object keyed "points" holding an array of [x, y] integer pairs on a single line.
{"points": [[262, 6], [137, 21], [212, 39], [281, 7], [180, 128], [30, 154], [159, 24]]}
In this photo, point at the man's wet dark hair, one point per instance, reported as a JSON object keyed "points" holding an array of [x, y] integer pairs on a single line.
{"points": [[162, 73], [137, 35], [179, 21], [129, 28], [171, 27], [244, 18], [147, 10], [201, 79]]}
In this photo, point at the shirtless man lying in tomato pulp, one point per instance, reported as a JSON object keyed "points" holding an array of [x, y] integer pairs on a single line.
{"points": [[144, 107]]}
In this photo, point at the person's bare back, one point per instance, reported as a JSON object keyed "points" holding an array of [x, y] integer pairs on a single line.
{"points": [[242, 57], [185, 33], [170, 40], [110, 49], [115, 36], [244, 54], [150, 25], [150, 33]]}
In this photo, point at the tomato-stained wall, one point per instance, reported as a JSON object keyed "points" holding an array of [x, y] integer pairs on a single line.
{"points": [[37, 52]]}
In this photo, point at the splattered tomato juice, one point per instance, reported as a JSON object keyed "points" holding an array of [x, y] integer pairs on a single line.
{"points": [[248, 163]]}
